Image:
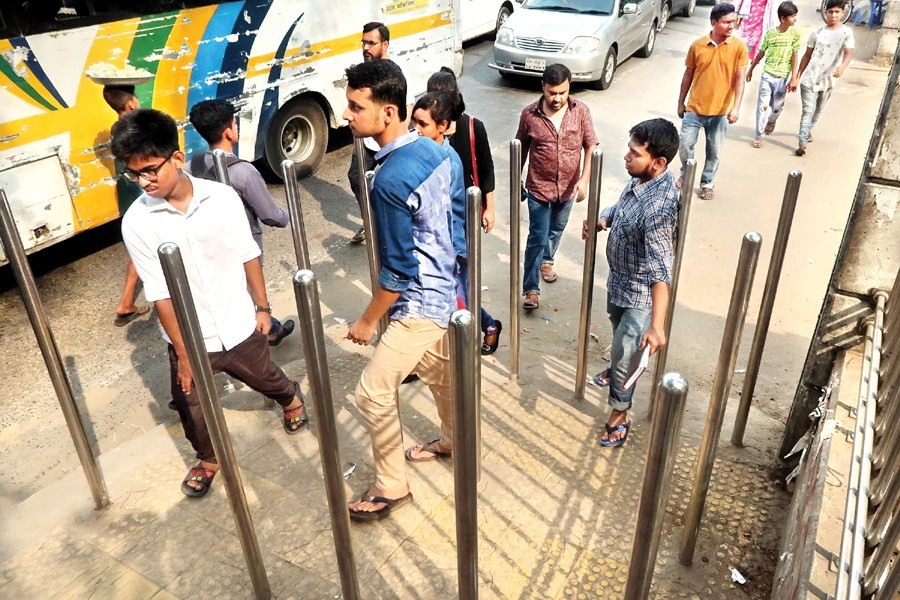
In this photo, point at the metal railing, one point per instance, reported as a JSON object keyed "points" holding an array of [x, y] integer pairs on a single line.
{"points": [[515, 254], [473, 300], [587, 282], [871, 519]]}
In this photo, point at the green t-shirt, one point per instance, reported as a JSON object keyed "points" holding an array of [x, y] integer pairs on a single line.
{"points": [[779, 48]]}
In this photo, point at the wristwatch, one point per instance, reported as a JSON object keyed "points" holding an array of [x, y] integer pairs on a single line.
{"points": [[266, 309]]}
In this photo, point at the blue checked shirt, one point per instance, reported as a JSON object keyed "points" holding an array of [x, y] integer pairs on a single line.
{"points": [[641, 245]]}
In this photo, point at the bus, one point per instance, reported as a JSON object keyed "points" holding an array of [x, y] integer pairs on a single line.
{"points": [[281, 62]]}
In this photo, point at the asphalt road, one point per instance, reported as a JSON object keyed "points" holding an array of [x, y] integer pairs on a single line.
{"points": [[120, 375]]}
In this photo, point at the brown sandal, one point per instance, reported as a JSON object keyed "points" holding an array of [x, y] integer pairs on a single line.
{"points": [[531, 301], [295, 419]]}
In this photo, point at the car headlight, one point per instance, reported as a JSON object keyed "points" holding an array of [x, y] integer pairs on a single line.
{"points": [[505, 37], [582, 45]]}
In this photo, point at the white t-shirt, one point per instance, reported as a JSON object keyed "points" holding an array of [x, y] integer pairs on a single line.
{"points": [[215, 242], [828, 52], [412, 90]]}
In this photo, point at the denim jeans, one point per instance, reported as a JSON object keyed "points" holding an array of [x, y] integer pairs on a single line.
{"points": [[772, 91], [714, 128], [813, 103], [629, 325], [546, 222], [462, 293]]}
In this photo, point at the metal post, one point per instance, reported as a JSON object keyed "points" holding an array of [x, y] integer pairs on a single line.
{"points": [[298, 229], [843, 567], [15, 252], [889, 451], [183, 300], [779, 247], [587, 281], [684, 214], [884, 514], [463, 381], [365, 211], [515, 266], [731, 341], [220, 167], [306, 290], [473, 301], [658, 469]]}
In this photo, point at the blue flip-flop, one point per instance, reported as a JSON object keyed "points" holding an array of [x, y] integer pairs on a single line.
{"points": [[621, 429], [602, 378]]}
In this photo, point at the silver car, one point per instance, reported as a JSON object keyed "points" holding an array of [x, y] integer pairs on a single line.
{"points": [[590, 37]]}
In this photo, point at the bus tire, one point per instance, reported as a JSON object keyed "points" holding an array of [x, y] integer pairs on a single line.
{"points": [[299, 132]]}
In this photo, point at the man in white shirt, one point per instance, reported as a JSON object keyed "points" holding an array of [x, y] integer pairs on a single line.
{"points": [[207, 221], [376, 39]]}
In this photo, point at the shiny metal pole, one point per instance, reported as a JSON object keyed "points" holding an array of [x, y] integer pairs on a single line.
{"points": [[731, 341], [298, 229], [185, 311], [15, 253], [463, 383], [587, 281], [779, 248], [473, 301], [515, 254], [658, 469], [220, 167], [684, 214], [306, 290]]}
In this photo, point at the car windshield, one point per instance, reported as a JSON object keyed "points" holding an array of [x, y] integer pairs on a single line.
{"points": [[585, 7]]}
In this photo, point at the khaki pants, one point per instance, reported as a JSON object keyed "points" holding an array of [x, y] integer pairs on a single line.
{"points": [[409, 345]]}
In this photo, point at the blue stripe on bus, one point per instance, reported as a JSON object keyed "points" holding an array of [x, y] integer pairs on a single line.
{"points": [[207, 66], [270, 97], [236, 55], [35, 67]]}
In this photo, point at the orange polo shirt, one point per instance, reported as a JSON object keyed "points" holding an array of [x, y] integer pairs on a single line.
{"points": [[712, 91]]}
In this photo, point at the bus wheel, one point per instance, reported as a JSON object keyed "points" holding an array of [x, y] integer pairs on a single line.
{"points": [[299, 133]]}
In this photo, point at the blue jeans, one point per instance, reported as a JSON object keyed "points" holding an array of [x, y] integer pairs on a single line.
{"points": [[813, 103], [714, 127], [546, 222], [629, 325], [462, 292], [772, 91], [276, 325]]}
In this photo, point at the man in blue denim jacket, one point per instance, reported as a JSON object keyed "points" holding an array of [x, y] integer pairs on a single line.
{"points": [[411, 206]]}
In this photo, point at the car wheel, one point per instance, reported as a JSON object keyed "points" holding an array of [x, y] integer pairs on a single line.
{"points": [[299, 132], [502, 16], [689, 9], [664, 15], [647, 49], [609, 69]]}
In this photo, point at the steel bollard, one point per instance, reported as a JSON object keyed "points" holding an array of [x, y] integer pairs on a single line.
{"points": [[731, 341], [587, 282], [298, 229], [18, 261], [473, 301], [306, 290], [365, 211], [221, 167], [463, 383], [658, 469], [684, 214], [515, 253], [779, 248], [183, 301]]}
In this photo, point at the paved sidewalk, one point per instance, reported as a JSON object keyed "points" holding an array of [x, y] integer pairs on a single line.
{"points": [[555, 511]]}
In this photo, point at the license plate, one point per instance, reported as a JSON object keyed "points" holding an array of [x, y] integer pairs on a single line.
{"points": [[535, 64]]}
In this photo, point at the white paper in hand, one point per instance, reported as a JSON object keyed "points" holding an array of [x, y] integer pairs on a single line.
{"points": [[636, 366]]}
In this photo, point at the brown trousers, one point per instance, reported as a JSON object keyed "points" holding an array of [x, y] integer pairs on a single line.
{"points": [[249, 362]]}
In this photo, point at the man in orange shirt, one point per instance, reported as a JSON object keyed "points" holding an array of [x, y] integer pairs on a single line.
{"points": [[714, 75]]}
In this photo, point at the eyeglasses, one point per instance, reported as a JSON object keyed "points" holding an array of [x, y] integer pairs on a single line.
{"points": [[150, 174], [368, 44]]}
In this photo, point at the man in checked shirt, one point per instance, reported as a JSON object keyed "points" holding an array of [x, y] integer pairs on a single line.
{"points": [[640, 251]]}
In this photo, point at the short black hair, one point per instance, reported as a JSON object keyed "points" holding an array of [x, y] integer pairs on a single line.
{"points": [[829, 4], [438, 104], [118, 96], [211, 118], [444, 81], [384, 79], [721, 10], [383, 31], [787, 9], [145, 132], [660, 135], [556, 74]]}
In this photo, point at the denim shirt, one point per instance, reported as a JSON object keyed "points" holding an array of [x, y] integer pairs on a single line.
{"points": [[411, 204], [458, 200]]}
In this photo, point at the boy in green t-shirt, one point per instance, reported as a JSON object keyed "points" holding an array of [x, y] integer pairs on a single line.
{"points": [[779, 46]]}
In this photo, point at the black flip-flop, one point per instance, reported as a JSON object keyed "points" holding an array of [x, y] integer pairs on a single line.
{"points": [[126, 318], [287, 328], [435, 454], [491, 348], [622, 429], [202, 476], [377, 515], [294, 416]]}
